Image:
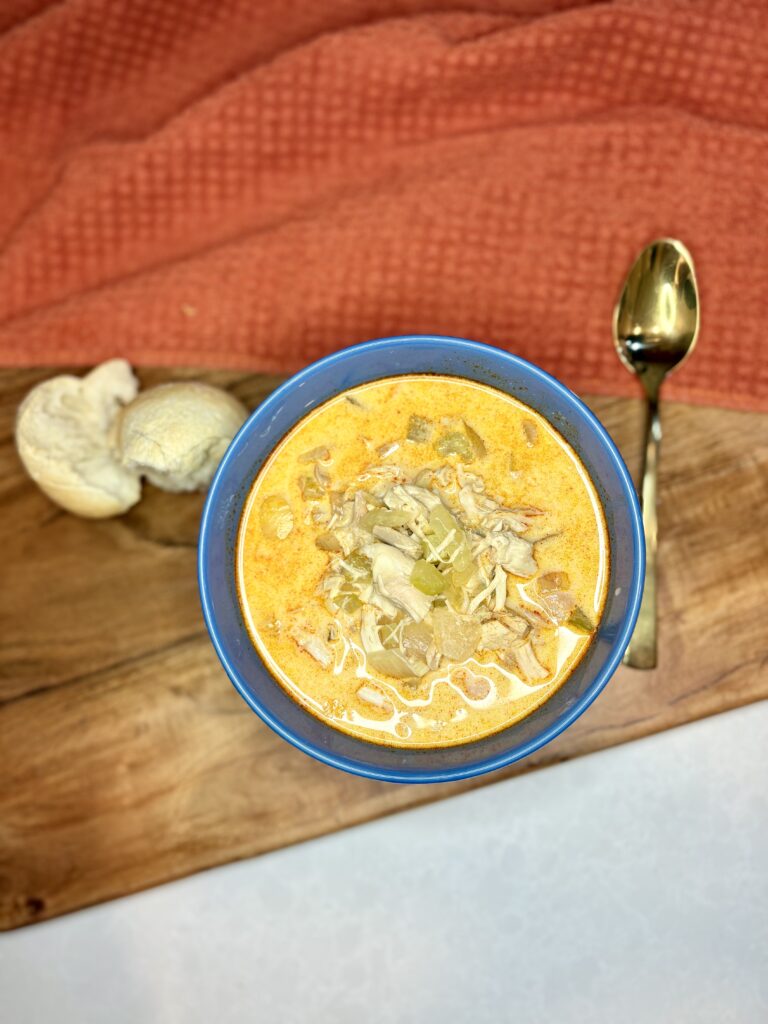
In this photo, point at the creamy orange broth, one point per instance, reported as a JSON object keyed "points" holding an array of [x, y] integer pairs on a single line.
{"points": [[278, 579]]}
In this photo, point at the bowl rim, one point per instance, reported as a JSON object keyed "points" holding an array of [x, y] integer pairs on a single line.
{"points": [[472, 768]]}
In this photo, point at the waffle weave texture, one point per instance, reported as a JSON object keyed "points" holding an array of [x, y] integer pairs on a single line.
{"points": [[254, 184]]}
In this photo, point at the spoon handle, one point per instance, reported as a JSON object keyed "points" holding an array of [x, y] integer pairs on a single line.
{"points": [[641, 652]]}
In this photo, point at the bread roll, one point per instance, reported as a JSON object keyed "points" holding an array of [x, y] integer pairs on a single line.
{"points": [[62, 435], [176, 434]]}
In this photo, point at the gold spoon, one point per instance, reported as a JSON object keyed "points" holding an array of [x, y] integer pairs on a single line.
{"points": [[655, 326]]}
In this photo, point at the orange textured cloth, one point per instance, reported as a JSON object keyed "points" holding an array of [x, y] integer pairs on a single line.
{"points": [[252, 183]]}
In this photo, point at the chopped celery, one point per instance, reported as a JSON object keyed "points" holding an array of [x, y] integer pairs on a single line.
{"points": [[478, 445], [346, 601], [275, 517], [356, 566], [384, 517], [455, 595], [327, 542], [442, 522], [455, 443], [419, 429], [461, 575], [448, 541], [310, 488], [580, 620], [390, 633], [426, 578]]}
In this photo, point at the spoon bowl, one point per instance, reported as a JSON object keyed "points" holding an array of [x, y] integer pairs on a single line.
{"points": [[656, 320]]}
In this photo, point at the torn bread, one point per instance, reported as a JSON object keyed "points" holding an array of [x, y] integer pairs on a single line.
{"points": [[63, 438]]}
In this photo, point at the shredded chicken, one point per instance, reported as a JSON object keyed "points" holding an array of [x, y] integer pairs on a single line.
{"points": [[375, 698], [518, 520], [500, 592], [378, 600], [512, 552], [476, 505], [322, 476], [445, 477], [528, 663], [516, 626], [409, 545], [424, 566], [392, 578], [387, 660], [467, 479], [389, 472], [397, 497], [535, 617], [321, 454], [493, 635], [427, 498], [313, 645], [483, 596]]}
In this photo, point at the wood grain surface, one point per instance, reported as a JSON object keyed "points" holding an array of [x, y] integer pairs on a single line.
{"points": [[126, 757]]}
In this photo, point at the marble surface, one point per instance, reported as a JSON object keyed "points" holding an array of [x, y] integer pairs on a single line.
{"points": [[631, 885]]}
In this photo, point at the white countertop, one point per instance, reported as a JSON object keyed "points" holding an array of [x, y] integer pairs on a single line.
{"points": [[631, 885]]}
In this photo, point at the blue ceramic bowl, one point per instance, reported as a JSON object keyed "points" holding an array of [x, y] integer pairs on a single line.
{"points": [[275, 417]]}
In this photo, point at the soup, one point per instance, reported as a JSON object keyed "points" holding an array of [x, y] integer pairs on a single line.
{"points": [[422, 561]]}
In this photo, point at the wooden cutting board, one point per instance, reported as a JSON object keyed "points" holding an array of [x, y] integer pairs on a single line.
{"points": [[126, 757]]}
